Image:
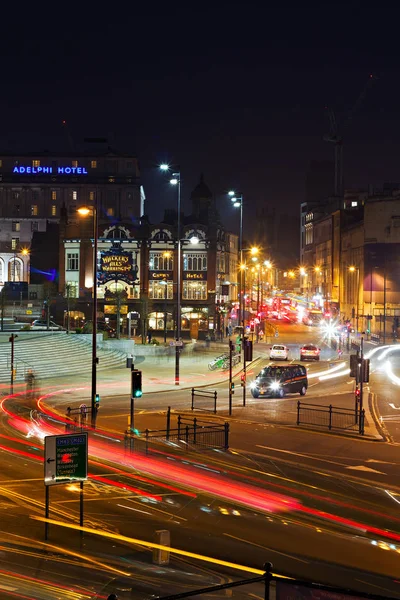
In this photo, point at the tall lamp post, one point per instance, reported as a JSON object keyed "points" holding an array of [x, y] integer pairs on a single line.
{"points": [[176, 180], [353, 269], [84, 211], [238, 203]]}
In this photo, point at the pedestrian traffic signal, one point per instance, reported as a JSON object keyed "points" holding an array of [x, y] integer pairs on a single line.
{"points": [[232, 387], [357, 393], [243, 380], [97, 398], [137, 384]]}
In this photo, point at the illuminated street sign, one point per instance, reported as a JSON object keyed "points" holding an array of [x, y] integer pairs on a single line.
{"points": [[65, 458]]}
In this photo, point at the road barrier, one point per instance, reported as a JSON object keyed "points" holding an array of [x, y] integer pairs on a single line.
{"points": [[207, 395], [187, 433], [332, 417]]}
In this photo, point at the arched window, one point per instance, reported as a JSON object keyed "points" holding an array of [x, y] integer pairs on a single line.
{"points": [[15, 270], [1, 270], [116, 234]]}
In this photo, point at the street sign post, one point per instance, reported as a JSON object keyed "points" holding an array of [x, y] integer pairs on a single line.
{"points": [[66, 458], [176, 343], [65, 461]]}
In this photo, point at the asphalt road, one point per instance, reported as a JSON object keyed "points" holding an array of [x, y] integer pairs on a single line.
{"points": [[317, 505]]}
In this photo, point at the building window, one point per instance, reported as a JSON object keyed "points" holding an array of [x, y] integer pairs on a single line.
{"points": [[110, 212], [54, 195], [195, 290], [353, 204], [15, 195], [34, 226], [161, 290], [14, 243], [53, 210], [36, 163], [93, 164], [91, 196], [1, 164], [15, 270], [74, 195], [72, 261], [16, 226], [35, 195], [111, 180], [74, 163], [129, 165], [71, 289], [34, 210], [309, 234], [161, 261], [195, 262]]}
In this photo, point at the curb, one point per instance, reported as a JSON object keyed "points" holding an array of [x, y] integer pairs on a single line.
{"points": [[378, 424]]}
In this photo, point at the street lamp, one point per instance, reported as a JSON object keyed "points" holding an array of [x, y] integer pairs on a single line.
{"points": [[353, 269], [238, 203], [176, 180], [84, 212], [24, 252]]}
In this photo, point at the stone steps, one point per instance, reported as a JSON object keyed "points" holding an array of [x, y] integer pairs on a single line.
{"points": [[54, 356]]}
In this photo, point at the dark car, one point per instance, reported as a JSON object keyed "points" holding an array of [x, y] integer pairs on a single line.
{"points": [[101, 326], [278, 381], [310, 352]]}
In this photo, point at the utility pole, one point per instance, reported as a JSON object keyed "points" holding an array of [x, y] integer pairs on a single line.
{"points": [[12, 339], [360, 422], [231, 385]]}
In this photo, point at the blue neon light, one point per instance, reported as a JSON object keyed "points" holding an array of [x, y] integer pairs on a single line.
{"points": [[47, 170]]}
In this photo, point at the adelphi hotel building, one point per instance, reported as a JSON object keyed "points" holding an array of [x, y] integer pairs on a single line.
{"points": [[136, 268]]}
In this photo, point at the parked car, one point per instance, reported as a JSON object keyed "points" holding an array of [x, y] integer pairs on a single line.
{"points": [[41, 325], [310, 352], [280, 380], [101, 326], [279, 352]]}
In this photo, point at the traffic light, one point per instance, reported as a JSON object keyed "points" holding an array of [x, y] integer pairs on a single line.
{"points": [[97, 402], [357, 394], [243, 380], [137, 384], [365, 370], [248, 350], [232, 388], [355, 361], [252, 325]]}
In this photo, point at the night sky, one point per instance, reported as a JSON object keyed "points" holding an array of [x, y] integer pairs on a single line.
{"points": [[234, 90]]}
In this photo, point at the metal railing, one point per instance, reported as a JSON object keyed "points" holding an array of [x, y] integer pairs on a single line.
{"points": [[188, 433], [206, 395], [332, 417]]}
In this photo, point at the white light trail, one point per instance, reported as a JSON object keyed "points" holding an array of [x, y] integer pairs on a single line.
{"points": [[393, 378]]}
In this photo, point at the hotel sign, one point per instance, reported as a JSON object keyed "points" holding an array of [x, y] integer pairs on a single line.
{"points": [[161, 275], [117, 265], [195, 275], [25, 170]]}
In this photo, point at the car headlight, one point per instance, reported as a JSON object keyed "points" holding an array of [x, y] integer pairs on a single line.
{"points": [[275, 385], [253, 385]]}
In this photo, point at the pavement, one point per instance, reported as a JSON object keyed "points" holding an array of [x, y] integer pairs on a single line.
{"points": [[158, 375]]}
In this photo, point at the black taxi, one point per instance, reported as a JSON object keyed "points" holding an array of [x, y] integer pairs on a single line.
{"points": [[278, 381]]}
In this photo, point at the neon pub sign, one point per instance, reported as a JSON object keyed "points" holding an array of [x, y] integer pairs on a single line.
{"points": [[25, 170]]}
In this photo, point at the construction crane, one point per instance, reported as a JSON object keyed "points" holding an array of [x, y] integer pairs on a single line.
{"points": [[335, 135], [70, 141]]}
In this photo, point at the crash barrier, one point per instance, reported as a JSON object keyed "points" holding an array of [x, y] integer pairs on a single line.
{"points": [[207, 396], [187, 433], [222, 361], [330, 416], [282, 587]]}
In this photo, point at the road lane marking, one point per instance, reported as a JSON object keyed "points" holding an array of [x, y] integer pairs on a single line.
{"points": [[266, 548], [332, 462], [363, 468]]}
